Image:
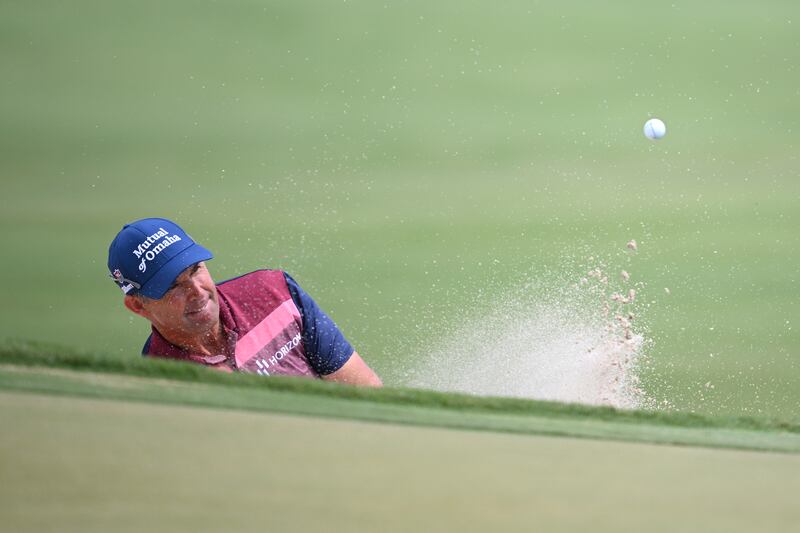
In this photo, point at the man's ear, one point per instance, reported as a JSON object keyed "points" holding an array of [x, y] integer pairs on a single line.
{"points": [[135, 304]]}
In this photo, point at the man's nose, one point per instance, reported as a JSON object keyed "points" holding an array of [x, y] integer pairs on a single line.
{"points": [[194, 289]]}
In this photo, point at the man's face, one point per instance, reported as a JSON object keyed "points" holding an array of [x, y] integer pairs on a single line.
{"points": [[190, 307]]}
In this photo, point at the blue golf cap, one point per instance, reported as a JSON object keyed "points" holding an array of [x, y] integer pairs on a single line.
{"points": [[147, 255]]}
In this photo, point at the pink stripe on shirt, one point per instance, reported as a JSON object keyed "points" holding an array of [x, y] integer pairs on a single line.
{"points": [[266, 331]]}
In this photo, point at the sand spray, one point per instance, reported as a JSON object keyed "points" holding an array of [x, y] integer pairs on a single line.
{"points": [[573, 336]]}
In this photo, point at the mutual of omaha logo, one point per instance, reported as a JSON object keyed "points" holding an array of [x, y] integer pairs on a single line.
{"points": [[145, 253]]}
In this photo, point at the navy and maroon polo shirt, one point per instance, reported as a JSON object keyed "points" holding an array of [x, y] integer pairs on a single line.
{"points": [[273, 328]]}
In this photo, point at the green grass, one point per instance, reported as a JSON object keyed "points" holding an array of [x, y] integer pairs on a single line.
{"points": [[87, 465], [57, 370], [403, 161]]}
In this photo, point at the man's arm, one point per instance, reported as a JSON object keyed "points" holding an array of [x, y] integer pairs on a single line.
{"points": [[355, 372], [327, 350]]}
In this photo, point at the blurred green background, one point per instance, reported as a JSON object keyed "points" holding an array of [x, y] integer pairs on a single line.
{"points": [[404, 161]]}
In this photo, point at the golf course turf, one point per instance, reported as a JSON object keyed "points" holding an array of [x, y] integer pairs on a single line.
{"points": [[145, 462], [58, 370]]}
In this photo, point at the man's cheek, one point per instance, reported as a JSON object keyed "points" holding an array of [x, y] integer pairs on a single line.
{"points": [[172, 299]]}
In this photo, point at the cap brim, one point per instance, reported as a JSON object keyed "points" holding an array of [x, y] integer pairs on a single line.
{"points": [[157, 286]]}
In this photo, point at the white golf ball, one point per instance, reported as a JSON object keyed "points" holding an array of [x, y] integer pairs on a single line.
{"points": [[654, 129]]}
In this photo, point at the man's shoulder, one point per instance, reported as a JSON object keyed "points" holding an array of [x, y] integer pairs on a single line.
{"points": [[246, 300], [255, 285], [263, 276], [158, 346]]}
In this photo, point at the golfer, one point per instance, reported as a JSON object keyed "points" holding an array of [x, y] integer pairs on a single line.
{"points": [[261, 322]]}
